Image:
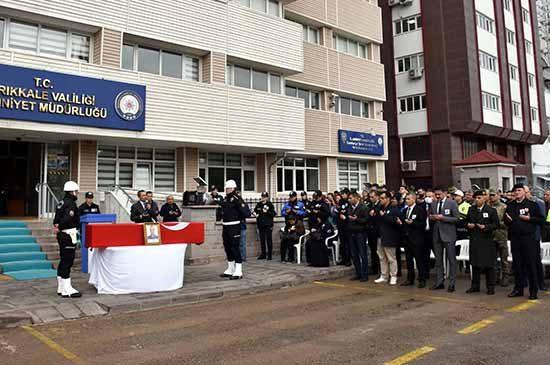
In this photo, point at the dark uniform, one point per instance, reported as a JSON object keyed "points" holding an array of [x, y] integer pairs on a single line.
{"points": [[373, 236], [233, 212], [170, 212], [88, 209], [265, 212], [525, 247], [319, 212], [483, 251], [67, 220], [294, 229], [414, 228], [342, 223]]}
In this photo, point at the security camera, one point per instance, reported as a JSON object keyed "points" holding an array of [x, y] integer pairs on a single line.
{"points": [[334, 95]]}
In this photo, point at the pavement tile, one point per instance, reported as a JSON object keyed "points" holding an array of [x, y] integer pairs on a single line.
{"points": [[69, 310], [49, 314], [89, 308]]}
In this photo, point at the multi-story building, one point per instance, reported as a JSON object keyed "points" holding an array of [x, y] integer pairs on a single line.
{"points": [[463, 76], [278, 95]]}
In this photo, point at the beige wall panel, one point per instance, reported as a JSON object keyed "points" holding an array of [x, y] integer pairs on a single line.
{"points": [[361, 18], [317, 125], [333, 70], [311, 8], [332, 11], [332, 174], [180, 169], [218, 67], [206, 68], [362, 77], [111, 48], [323, 174], [315, 66], [88, 166], [261, 179], [97, 40], [191, 167]]}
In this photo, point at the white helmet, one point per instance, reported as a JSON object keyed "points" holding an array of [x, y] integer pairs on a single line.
{"points": [[70, 186], [230, 184]]}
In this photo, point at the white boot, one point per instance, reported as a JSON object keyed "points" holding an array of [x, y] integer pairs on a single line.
{"points": [[393, 280], [230, 270], [238, 272], [68, 290], [59, 285], [381, 279]]}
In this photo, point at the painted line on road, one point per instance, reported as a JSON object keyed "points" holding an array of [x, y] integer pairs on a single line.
{"points": [[523, 306], [478, 326], [411, 356], [323, 283], [53, 345]]}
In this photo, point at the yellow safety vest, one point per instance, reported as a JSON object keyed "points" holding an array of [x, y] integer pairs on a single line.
{"points": [[548, 217], [463, 208]]}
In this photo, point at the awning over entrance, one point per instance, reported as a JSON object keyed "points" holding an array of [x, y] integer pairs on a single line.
{"points": [[484, 158]]}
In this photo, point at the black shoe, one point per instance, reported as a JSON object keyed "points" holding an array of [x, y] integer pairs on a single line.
{"points": [[533, 297], [491, 291], [347, 264], [225, 276], [472, 290], [421, 284], [261, 257], [235, 277], [269, 258], [364, 280], [515, 293], [407, 283], [354, 278], [451, 289], [438, 287]]}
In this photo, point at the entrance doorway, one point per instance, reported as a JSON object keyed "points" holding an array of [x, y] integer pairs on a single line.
{"points": [[20, 171]]}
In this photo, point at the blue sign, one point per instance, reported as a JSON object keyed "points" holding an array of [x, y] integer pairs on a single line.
{"points": [[51, 97], [359, 142]]}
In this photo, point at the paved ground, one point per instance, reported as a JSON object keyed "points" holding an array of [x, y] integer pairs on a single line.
{"points": [[33, 302], [336, 322]]}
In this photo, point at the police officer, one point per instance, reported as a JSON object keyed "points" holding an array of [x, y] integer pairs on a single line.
{"points": [[293, 205], [320, 210], [233, 212], [463, 208], [66, 222], [500, 237], [265, 211], [342, 211], [88, 207], [523, 216]]}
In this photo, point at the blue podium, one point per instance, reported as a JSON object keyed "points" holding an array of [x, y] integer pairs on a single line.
{"points": [[84, 221]]}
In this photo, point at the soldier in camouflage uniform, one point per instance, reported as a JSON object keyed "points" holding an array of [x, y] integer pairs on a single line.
{"points": [[500, 236]]}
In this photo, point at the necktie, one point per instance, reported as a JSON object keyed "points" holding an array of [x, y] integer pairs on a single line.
{"points": [[439, 206], [409, 212]]}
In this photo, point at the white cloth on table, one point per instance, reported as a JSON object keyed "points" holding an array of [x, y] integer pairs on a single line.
{"points": [[137, 269]]}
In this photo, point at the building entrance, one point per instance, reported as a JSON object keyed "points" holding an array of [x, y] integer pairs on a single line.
{"points": [[20, 171]]}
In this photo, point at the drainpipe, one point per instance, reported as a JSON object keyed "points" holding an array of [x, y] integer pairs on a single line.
{"points": [[270, 173]]}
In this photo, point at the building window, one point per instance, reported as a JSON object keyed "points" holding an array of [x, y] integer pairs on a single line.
{"points": [[159, 62], [217, 167], [485, 23], [491, 102], [506, 4], [481, 182], [136, 168], [354, 107], [525, 16], [417, 148], [513, 72], [298, 174], [528, 47], [349, 46], [534, 115], [244, 76], [270, 7], [510, 37], [44, 40], [472, 146], [408, 24], [518, 154], [312, 99], [352, 174], [531, 80], [407, 63], [516, 108], [311, 34], [487, 61], [412, 103]]}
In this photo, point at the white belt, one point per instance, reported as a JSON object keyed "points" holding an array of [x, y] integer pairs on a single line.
{"points": [[72, 232], [234, 223]]}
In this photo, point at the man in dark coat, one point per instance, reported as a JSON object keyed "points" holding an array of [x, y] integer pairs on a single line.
{"points": [[357, 238], [294, 229], [414, 225], [265, 211], [317, 252], [481, 221], [389, 226], [170, 212], [341, 223], [142, 211]]}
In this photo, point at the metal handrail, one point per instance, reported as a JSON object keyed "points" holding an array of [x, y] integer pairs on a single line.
{"points": [[47, 201]]}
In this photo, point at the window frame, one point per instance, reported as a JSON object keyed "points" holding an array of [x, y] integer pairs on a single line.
{"points": [[488, 62], [417, 58], [135, 61], [336, 38], [349, 172], [266, 8], [516, 110], [244, 167], [399, 28], [306, 32], [513, 72], [308, 104], [484, 22], [531, 81], [410, 100], [510, 37], [365, 106], [281, 166], [5, 41], [491, 102], [230, 78]]}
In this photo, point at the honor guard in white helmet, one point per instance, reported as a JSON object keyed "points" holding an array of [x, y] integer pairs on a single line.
{"points": [[66, 222], [233, 212]]}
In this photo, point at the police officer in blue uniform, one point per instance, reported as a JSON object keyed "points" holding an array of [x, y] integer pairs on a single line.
{"points": [[66, 222], [233, 212]]}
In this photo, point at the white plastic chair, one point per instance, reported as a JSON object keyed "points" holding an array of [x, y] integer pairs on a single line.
{"points": [[333, 247], [464, 254], [545, 253], [298, 246]]}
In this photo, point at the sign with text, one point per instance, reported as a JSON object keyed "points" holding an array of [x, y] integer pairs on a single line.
{"points": [[360, 142], [52, 97]]}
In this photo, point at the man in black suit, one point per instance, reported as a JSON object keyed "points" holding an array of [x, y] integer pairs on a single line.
{"points": [[357, 217], [414, 225], [142, 211]]}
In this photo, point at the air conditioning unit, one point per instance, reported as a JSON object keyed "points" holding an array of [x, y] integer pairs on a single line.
{"points": [[408, 166], [400, 2], [416, 73]]}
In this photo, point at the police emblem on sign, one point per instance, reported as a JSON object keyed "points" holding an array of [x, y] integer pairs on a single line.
{"points": [[128, 105]]}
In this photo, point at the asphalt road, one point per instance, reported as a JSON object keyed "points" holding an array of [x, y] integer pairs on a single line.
{"points": [[339, 322]]}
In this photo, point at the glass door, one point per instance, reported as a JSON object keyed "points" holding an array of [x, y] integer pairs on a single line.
{"points": [[57, 167]]}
